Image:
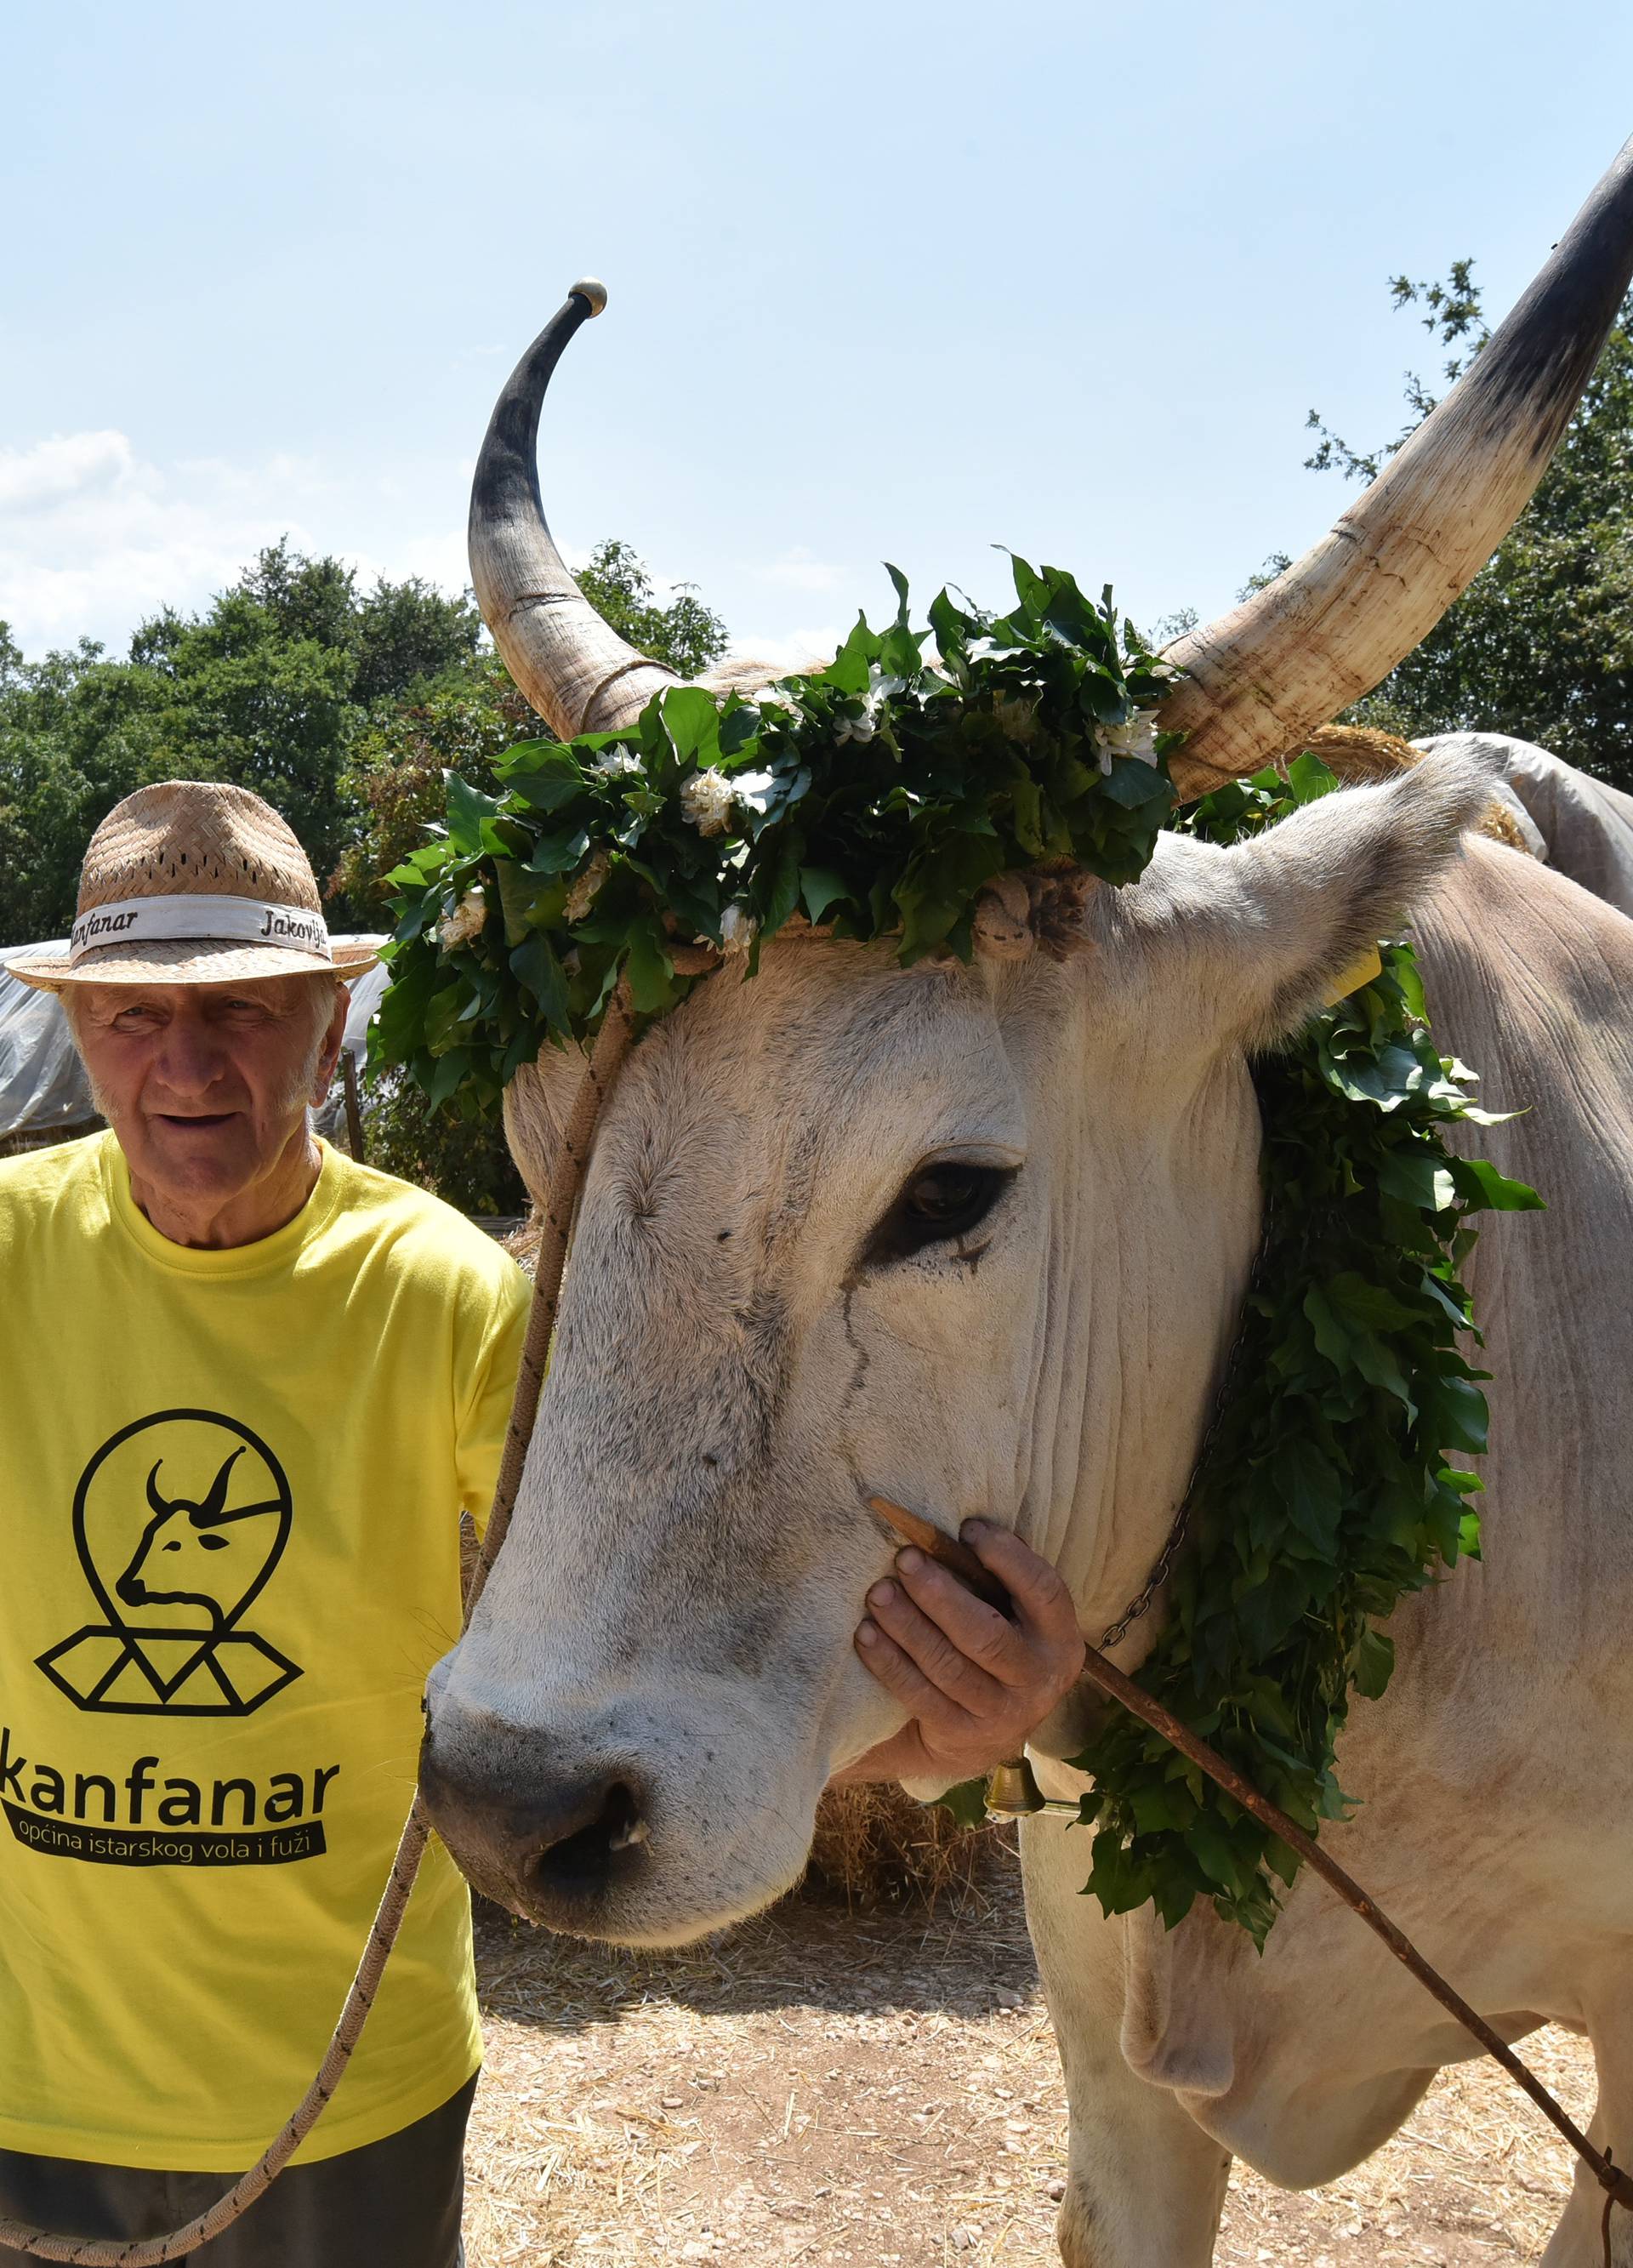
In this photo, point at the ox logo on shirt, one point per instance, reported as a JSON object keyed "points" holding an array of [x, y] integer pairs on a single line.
{"points": [[178, 1522]]}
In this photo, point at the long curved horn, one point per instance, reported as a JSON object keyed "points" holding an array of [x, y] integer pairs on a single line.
{"points": [[1288, 659], [579, 674]]}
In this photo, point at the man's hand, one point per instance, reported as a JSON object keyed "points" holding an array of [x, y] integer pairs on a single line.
{"points": [[973, 1683]]}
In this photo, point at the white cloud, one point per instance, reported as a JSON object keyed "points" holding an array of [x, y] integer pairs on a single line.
{"points": [[93, 536], [800, 570], [798, 649], [66, 467]]}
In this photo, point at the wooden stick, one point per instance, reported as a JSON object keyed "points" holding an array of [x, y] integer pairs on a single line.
{"points": [[944, 1550]]}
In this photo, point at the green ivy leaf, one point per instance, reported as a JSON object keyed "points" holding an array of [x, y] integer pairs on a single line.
{"points": [[1368, 1305], [1456, 1414], [468, 809], [821, 887], [534, 965], [1374, 1664], [1309, 1487], [651, 971], [1482, 1187], [966, 1801], [543, 775], [692, 720]]}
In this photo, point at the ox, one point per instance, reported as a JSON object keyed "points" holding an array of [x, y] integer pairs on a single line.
{"points": [[975, 1239]]}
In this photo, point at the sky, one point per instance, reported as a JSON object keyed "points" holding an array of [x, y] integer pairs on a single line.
{"points": [[900, 282]]}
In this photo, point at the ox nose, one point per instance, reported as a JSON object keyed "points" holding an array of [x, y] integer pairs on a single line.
{"points": [[553, 1849]]}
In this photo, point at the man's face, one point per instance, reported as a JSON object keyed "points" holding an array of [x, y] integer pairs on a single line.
{"points": [[206, 1085]]}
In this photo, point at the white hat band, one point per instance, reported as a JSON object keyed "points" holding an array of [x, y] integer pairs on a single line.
{"points": [[246, 921]]}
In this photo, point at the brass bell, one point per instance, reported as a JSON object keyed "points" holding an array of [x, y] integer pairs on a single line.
{"points": [[1012, 1792]]}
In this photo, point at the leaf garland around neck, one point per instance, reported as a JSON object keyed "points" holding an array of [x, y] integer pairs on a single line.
{"points": [[878, 797], [1335, 1485]]}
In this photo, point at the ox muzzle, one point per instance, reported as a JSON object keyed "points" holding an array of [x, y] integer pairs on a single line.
{"points": [[644, 1816], [555, 1839]]}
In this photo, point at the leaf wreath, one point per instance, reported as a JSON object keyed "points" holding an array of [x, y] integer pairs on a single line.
{"points": [[879, 797], [1334, 1486]]}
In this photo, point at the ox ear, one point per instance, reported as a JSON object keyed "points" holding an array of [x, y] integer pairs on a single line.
{"points": [[537, 1103], [1272, 926]]}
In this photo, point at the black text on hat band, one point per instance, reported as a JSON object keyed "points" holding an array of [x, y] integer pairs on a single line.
{"points": [[238, 921]]}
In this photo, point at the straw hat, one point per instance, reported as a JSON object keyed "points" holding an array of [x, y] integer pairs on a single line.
{"points": [[191, 882]]}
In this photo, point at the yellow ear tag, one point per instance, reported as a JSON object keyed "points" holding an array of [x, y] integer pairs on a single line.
{"points": [[1360, 971]]}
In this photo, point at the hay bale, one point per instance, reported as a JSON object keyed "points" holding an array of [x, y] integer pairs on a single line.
{"points": [[1362, 756], [875, 1846]]}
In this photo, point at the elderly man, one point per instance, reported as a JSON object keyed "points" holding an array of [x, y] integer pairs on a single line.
{"points": [[249, 1382]]}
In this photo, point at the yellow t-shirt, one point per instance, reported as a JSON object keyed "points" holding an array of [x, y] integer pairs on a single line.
{"points": [[229, 1493]]}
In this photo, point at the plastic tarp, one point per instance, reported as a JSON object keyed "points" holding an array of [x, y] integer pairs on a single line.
{"points": [[42, 1083]]}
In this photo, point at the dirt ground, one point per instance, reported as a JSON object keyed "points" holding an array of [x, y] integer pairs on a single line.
{"points": [[822, 2087]]}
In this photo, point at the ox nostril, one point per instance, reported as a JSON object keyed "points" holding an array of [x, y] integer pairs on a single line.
{"points": [[548, 1843], [581, 1862]]}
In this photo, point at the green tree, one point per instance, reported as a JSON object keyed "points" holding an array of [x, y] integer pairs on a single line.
{"points": [[241, 699], [270, 688], [345, 710], [1541, 644], [397, 775], [400, 761], [686, 634], [464, 724], [463, 1161], [76, 734]]}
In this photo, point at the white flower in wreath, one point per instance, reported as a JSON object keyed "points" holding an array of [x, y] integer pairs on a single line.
{"points": [[737, 929], [465, 922], [706, 801], [1136, 739], [863, 727], [617, 762]]}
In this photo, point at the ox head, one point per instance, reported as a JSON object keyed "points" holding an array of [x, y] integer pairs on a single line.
{"points": [[972, 1238]]}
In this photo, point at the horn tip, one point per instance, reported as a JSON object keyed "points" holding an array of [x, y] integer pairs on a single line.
{"points": [[592, 290]]}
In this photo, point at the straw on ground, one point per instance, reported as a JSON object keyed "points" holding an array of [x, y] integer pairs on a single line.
{"points": [[882, 2086]]}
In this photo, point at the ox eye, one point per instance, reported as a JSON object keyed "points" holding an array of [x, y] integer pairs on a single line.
{"points": [[941, 1204]]}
